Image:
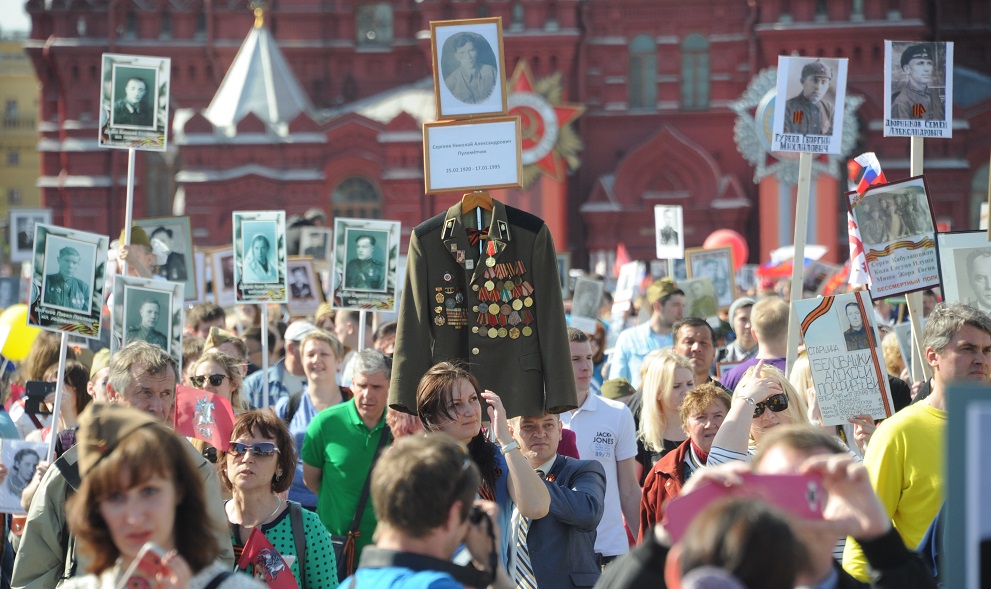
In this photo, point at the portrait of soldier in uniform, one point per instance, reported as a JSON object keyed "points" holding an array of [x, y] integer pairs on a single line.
{"points": [[300, 283], [174, 268], [63, 289], [975, 281], [471, 82], [916, 99], [364, 271], [22, 471], [149, 312], [856, 335], [132, 108], [667, 234], [811, 112]]}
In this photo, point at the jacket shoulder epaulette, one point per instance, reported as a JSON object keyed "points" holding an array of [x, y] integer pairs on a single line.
{"points": [[523, 219], [432, 224]]}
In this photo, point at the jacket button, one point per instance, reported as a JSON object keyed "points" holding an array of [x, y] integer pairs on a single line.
{"points": [[474, 351], [474, 329], [474, 287]]}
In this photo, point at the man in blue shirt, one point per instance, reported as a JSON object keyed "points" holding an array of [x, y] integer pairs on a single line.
{"points": [[667, 303]]}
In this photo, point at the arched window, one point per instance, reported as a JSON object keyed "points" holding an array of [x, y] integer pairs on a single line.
{"points": [[695, 72], [642, 79], [356, 197]]}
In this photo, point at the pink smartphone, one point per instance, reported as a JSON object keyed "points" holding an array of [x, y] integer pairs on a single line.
{"points": [[145, 569], [797, 494]]}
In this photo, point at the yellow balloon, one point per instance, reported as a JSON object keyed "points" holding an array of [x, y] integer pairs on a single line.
{"points": [[21, 336]]}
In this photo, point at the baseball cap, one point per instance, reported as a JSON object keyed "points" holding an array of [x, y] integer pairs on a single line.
{"points": [[297, 329], [740, 302], [917, 51], [102, 426], [817, 68], [662, 288]]}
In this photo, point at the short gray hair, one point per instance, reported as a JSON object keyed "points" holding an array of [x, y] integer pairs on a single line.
{"points": [[370, 361], [947, 319], [139, 355]]}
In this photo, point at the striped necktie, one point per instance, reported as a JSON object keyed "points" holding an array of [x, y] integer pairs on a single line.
{"points": [[523, 575]]}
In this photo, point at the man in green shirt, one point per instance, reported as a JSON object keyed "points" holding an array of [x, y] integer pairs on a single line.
{"points": [[340, 446]]}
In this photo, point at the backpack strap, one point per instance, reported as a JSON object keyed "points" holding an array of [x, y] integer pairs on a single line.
{"points": [[220, 578], [299, 537], [70, 472], [292, 407]]}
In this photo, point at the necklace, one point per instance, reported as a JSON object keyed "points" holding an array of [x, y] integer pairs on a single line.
{"points": [[267, 519]]}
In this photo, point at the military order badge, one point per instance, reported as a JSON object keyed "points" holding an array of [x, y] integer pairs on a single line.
{"points": [[365, 256], [918, 83], [67, 280], [260, 256], [134, 101], [148, 310], [808, 107]]}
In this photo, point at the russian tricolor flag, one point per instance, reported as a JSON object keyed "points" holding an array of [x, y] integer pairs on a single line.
{"points": [[872, 173]]}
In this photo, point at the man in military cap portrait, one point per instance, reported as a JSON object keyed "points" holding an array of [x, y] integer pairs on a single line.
{"points": [[811, 113], [364, 271], [916, 100], [149, 312], [62, 289]]}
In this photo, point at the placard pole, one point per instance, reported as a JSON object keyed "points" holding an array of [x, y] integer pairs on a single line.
{"points": [[989, 199], [920, 367], [129, 205], [59, 391], [266, 375], [798, 257], [361, 329]]}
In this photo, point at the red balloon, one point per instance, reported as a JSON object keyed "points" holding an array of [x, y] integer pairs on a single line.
{"points": [[728, 237]]}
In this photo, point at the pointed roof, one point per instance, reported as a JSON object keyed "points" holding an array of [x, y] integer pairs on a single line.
{"points": [[259, 81]]}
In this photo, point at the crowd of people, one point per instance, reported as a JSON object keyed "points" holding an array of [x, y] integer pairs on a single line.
{"points": [[347, 490]]}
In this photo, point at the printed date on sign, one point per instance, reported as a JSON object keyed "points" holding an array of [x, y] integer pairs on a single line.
{"points": [[471, 169]]}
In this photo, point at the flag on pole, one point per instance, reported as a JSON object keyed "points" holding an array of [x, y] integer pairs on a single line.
{"points": [[622, 258], [869, 173], [204, 416], [858, 261], [268, 566], [865, 170]]}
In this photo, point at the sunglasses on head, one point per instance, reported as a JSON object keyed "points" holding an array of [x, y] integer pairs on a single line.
{"points": [[259, 449], [776, 403], [215, 380]]}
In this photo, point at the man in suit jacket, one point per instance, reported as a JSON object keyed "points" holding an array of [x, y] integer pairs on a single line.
{"points": [[491, 299], [560, 546]]}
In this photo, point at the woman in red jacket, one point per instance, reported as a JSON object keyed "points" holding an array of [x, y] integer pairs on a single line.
{"points": [[702, 412]]}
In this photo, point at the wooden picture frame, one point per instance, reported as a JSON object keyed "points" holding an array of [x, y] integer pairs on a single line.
{"points": [[305, 289], [717, 265], [469, 68]]}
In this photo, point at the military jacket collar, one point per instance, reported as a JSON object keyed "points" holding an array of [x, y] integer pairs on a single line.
{"points": [[455, 237]]}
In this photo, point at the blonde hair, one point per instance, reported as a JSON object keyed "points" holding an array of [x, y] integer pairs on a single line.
{"points": [[322, 335], [798, 409], [232, 366], [892, 353], [769, 319], [657, 377]]}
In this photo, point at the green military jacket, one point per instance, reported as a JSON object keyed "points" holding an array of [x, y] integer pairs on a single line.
{"points": [[70, 292], [499, 310]]}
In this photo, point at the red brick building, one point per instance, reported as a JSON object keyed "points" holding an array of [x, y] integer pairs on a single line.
{"points": [[333, 119]]}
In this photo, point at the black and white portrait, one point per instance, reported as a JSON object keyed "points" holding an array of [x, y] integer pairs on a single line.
{"points": [[21, 459], [894, 212], [147, 315], [700, 297], [222, 275], [587, 298], [259, 262], [918, 89], [260, 256], [69, 272], [474, 77], [22, 223], [809, 104], [716, 265], [134, 97], [669, 232], [364, 274], [365, 268], [299, 283], [134, 102], [315, 242], [854, 327], [305, 290], [469, 76]]}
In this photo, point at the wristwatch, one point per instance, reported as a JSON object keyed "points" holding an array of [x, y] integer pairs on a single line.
{"points": [[747, 399], [510, 447]]}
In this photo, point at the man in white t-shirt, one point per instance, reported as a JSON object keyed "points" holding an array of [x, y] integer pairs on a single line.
{"points": [[605, 432]]}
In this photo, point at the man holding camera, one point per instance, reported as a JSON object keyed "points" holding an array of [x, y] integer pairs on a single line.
{"points": [[423, 490]]}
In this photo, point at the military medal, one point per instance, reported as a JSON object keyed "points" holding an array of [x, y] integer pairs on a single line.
{"points": [[527, 331], [505, 309], [514, 333], [447, 277], [502, 332], [439, 320], [494, 309], [449, 303], [517, 304], [438, 310], [490, 262], [439, 297], [489, 285], [469, 264], [493, 332], [528, 302]]}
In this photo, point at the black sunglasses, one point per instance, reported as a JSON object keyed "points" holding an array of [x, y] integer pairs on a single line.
{"points": [[215, 380], [776, 403], [260, 449]]}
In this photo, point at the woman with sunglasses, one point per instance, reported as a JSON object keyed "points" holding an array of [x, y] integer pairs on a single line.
{"points": [[220, 374], [259, 464], [763, 400], [448, 400]]}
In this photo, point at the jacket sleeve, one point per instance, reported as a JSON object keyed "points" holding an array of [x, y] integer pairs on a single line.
{"points": [[580, 504], [648, 504], [893, 565], [40, 558], [414, 346], [215, 510], [555, 352]]}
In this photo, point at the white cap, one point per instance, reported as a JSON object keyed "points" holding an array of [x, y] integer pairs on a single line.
{"points": [[297, 329]]}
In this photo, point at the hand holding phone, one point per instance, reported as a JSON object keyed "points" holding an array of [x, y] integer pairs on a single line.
{"points": [[35, 392]]}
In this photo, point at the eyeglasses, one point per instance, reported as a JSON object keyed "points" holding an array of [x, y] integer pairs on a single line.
{"points": [[776, 403], [260, 449], [215, 380]]}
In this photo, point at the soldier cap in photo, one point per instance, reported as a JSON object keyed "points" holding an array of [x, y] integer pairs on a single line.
{"points": [[662, 289], [217, 337], [102, 427], [68, 251], [817, 69], [918, 51]]}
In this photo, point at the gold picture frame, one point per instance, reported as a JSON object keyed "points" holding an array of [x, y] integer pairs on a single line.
{"points": [[469, 68]]}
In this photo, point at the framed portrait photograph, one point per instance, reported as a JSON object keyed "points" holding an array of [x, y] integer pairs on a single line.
{"points": [[477, 155], [899, 235], [67, 280], [965, 265], [700, 297], [669, 227], [147, 310], [717, 265], [317, 243], [21, 459], [22, 224], [816, 274], [260, 256], [587, 298], [222, 276], [134, 102], [174, 232], [746, 277], [808, 107], [366, 252], [918, 89], [305, 290], [469, 67]]}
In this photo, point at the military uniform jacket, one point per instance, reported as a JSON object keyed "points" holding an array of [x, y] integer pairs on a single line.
{"points": [[500, 311], [68, 292], [150, 335], [903, 104], [817, 118], [365, 274]]}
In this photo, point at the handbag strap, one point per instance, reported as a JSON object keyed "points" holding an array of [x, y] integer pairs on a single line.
{"points": [[299, 537], [363, 500], [217, 580]]}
